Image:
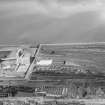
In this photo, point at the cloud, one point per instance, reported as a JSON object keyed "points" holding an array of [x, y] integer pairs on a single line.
{"points": [[53, 8], [65, 8], [101, 12]]}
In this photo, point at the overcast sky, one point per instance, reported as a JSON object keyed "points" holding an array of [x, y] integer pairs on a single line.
{"points": [[52, 21]]}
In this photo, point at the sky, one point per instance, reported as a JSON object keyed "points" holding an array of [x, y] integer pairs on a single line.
{"points": [[52, 21]]}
